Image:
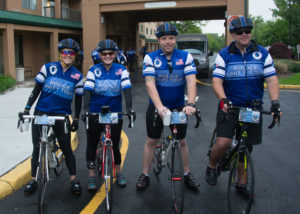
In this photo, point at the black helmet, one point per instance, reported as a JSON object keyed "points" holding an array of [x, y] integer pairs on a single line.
{"points": [[107, 45], [69, 44], [240, 22], [166, 29]]}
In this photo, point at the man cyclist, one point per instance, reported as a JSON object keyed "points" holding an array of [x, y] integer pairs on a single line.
{"points": [[96, 56], [166, 72], [55, 85], [131, 56], [103, 87], [239, 73]]}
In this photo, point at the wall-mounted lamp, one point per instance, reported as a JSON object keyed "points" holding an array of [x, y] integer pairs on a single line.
{"points": [[102, 20]]}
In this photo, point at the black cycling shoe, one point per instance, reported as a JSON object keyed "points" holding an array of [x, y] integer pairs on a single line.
{"points": [[243, 190], [211, 176], [75, 187], [31, 187], [191, 182], [143, 182]]}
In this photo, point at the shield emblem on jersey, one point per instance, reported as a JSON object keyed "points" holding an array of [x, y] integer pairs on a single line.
{"points": [[157, 63], [53, 69], [97, 72]]}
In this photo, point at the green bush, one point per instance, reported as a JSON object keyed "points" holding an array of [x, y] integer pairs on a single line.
{"points": [[286, 65], [6, 82]]}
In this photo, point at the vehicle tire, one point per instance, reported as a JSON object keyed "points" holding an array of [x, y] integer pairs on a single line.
{"points": [[157, 166], [108, 177], [238, 202], [42, 177], [177, 178]]}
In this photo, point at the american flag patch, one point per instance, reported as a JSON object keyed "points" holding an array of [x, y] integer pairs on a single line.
{"points": [[119, 72], [179, 62], [75, 76]]}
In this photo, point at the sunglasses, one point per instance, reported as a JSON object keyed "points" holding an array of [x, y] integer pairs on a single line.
{"points": [[68, 52], [110, 53], [243, 30]]}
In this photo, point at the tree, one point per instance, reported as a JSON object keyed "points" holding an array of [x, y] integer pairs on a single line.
{"points": [[289, 11], [185, 27], [216, 42]]}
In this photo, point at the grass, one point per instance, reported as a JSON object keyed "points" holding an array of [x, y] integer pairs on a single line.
{"points": [[292, 80], [6, 82]]}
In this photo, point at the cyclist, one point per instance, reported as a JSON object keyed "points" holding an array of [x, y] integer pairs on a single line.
{"points": [[103, 87], [55, 85], [95, 56], [131, 55], [238, 76], [79, 60], [166, 72], [121, 58]]}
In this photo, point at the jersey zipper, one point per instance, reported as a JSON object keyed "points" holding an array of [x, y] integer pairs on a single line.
{"points": [[247, 92]]}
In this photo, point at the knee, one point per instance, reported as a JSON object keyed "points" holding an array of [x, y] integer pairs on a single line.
{"points": [[151, 142], [182, 142]]}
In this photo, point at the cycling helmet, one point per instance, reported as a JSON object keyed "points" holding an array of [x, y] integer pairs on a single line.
{"points": [[95, 56], [69, 44], [240, 22], [107, 45], [166, 29]]}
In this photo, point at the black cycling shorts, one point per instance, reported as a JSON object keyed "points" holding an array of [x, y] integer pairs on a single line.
{"points": [[228, 126], [154, 132]]}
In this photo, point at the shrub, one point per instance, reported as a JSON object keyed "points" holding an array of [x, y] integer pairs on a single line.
{"points": [[280, 51], [294, 67], [6, 82]]}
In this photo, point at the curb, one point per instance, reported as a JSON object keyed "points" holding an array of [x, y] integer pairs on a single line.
{"points": [[265, 85], [20, 175]]}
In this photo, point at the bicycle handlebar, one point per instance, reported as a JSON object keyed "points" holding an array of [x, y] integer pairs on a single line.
{"points": [[130, 125], [261, 111]]}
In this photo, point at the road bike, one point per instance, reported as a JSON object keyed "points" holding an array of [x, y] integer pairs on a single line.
{"points": [[105, 155], [50, 155], [168, 153], [238, 160]]}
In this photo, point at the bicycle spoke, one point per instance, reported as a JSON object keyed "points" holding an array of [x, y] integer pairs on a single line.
{"points": [[108, 176], [241, 185], [177, 181]]}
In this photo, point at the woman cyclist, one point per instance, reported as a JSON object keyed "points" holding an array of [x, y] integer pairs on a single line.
{"points": [[55, 85], [103, 87]]}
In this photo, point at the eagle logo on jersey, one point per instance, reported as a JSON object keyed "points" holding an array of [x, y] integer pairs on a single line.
{"points": [[157, 63], [257, 55], [97, 72], [53, 69]]}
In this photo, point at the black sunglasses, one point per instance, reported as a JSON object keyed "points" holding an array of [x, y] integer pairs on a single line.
{"points": [[110, 53], [243, 30]]}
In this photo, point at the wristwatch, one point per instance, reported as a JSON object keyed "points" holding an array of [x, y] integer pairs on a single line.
{"points": [[192, 105]]}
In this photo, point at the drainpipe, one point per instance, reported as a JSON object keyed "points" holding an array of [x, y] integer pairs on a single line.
{"points": [[246, 8]]}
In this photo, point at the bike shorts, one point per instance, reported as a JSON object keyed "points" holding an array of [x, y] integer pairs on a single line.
{"points": [[154, 130], [228, 126]]}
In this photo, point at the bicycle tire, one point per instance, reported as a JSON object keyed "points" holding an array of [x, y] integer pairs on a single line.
{"points": [[157, 162], [211, 143], [177, 179], [42, 177], [237, 202], [108, 178]]}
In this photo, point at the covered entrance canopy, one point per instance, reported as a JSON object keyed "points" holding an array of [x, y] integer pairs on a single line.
{"points": [[119, 19]]}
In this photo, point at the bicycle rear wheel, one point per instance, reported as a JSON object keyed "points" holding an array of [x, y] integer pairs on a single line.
{"points": [[240, 194], [177, 179], [157, 166], [108, 177], [42, 177]]}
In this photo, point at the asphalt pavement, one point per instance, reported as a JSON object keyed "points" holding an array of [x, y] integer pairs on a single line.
{"points": [[16, 146]]}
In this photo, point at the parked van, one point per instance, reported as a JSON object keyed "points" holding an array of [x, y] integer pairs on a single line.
{"points": [[197, 46]]}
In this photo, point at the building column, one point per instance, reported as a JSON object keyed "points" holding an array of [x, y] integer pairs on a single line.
{"points": [[53, 46], [57, 9], [91, 32], [9, 51], [234, 8]]}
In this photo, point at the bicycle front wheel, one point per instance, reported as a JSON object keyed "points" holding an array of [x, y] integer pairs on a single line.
{"points": [[177, 179], [157, 166], [42, 177], [241, 184], [108, 177]]}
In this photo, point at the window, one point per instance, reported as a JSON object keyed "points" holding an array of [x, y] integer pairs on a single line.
{"points": [[151, 32], [29, 4], [141, 26], [146, 30], [19, 51]]}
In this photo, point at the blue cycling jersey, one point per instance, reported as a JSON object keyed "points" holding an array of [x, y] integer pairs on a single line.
{"points": [[170, 86], [58, 88], [106, 86], [243, 75]]}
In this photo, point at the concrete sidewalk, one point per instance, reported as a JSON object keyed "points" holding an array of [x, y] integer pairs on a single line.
{"points": [[16, 146]]}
